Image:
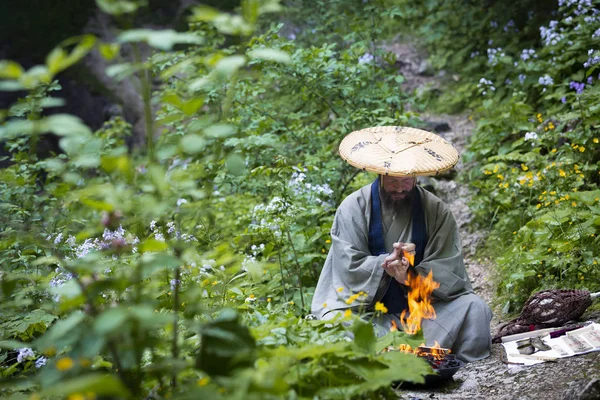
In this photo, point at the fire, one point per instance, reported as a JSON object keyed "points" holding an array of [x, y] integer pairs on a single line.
{"points": [[410, 256], [419, 301], [435, 352]]}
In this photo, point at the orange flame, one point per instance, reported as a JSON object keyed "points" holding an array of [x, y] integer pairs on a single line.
{"points": [[419, 301], [394, 327]]}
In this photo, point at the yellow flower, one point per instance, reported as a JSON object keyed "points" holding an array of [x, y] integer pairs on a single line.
{"points": [[553, 193], [549, 249], [204, 381], [323, 251], [597, 199], [596, 140], [64, 364], [538, 205], [561, 172], [268, 299], [380, 307], [553, 151], [347, 313], [500, 176], [574, 204], [215, 282], [324, 305], [340, 289], [76, 396], [581, 149], [353, 298], [328, 241], [292, 302], [514, 232]]}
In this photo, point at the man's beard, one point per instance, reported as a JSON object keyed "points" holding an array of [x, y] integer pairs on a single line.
{"points": [[390, 203]]}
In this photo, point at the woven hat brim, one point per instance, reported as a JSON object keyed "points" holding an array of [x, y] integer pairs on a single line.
{"points": [[398, 151]]}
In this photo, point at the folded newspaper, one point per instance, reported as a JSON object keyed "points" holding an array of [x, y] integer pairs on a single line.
{"points": [[544, 345]]}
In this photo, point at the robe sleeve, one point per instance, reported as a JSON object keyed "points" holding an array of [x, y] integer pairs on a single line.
{"points": [[443, 255], [354, 268]]}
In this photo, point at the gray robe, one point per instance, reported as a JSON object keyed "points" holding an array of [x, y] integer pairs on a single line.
{"points": [[462, 322]]}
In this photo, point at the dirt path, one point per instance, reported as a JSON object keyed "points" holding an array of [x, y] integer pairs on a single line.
{"points": [[490, 379]]}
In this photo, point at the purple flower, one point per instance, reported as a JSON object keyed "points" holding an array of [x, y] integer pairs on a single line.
{"points": [[578, 86], [563, 100], [590, 80]]}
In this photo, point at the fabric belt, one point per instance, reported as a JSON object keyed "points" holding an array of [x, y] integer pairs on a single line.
{"points": [[395, 296]]}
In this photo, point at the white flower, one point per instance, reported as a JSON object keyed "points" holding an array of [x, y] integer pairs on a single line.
{"points": [[531, 136], [181, 201], [58, 238], [24, 354], [546, 80], [40, 362], [365, 58]]}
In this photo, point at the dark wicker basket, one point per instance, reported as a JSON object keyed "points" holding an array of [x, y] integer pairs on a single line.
{"points": [[547, 309]]}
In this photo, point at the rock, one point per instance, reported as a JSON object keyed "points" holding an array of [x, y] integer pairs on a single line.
{"points": [[583, 390], [424, 69], [469, 385], [439, 126]]}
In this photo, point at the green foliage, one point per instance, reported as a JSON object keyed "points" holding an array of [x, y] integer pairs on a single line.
{"points": [[185, 269], [527, 73]]}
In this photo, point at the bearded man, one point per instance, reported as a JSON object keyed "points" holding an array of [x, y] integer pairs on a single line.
{"points": [[373, 224]]}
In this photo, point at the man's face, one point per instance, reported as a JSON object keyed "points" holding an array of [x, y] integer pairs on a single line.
{"points": [[397, 188]]}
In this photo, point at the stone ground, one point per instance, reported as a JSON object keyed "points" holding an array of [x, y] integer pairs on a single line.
{"points": [[568, 378]]}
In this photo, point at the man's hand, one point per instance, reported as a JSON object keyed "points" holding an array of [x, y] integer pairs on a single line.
{"points": [[396, 265]]}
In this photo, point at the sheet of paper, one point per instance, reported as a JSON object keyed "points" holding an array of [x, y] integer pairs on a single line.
{"points": [[579, 341]]}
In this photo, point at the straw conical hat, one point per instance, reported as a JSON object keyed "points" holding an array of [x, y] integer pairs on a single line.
{"points": [[398, 151]]}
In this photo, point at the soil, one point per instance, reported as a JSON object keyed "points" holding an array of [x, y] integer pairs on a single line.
{"points": [[492, 378]]}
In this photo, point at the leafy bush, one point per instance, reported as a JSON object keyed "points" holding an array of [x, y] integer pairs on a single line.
{"points": [[185, 268], [527, 73]]}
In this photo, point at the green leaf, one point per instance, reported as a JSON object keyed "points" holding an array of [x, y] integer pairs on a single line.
{"points": [[12, 344], [192, 144], [163, 39], [205, 13], [109, 50], [99, 384], [270, 55], [220, 130], [110, 321], [58, 330], [227, 66], [225, 345], [152, 245], [66, 125], [160, 260], [16, 128], [10, 70], [250, 10], [117, 7], [235, 164], [364, 337]]}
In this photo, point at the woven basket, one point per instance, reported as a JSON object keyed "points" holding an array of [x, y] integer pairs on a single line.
{"points": [[398, 151], [547, 309]]}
